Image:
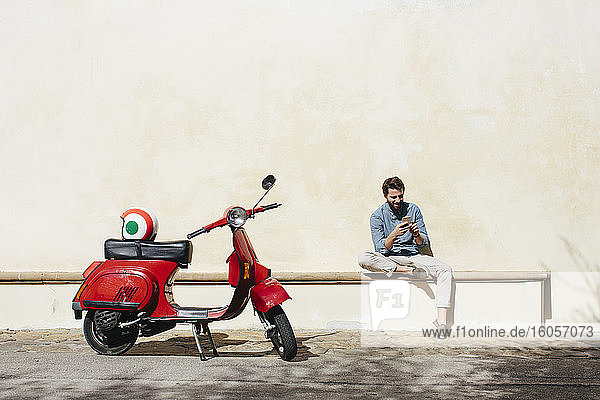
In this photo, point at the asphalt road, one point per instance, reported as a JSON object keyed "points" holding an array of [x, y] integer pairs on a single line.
{"points": [[59, 365]]}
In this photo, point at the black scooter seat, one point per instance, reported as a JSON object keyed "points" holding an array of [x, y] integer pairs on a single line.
{"points": [[177, 251]]}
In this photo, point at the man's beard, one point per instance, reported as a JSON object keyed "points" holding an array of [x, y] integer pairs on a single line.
{"points": [[394, 208]]}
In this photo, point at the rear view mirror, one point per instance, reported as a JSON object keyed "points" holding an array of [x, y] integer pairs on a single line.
{"points": [[268, 182]]}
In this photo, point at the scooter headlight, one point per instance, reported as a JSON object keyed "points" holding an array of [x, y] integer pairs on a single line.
{"points": [[237, 217]]}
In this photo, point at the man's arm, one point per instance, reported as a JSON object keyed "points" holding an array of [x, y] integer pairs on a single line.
{"points": [[418, 229], [399, 230], [383, 244], [378, 235]]}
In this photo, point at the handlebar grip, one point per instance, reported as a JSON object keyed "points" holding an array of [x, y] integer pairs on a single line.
{"points": [[271, 206], [196, 233]]}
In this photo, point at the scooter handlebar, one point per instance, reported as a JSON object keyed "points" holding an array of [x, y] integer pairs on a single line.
{"points": [[209, 227], [223, 220], [196, 233], [264, 208], [271, 206]]}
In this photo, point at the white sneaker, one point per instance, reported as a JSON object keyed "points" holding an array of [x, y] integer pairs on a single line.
{"points": [[441, 328]]}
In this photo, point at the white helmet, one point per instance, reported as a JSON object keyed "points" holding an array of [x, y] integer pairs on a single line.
{"points": [[139, 223]]}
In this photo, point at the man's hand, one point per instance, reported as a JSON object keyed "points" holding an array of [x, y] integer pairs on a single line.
{"points": [[399, 230], [414, 230]]}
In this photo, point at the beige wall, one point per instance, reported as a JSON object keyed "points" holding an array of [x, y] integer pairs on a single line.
{"points": [[487, 110]]}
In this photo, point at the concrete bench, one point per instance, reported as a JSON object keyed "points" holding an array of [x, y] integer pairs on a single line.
{"points": [[312, 278]]}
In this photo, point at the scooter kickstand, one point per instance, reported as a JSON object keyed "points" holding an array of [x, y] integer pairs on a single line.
{"points": [[195, 329], [210, 339]]}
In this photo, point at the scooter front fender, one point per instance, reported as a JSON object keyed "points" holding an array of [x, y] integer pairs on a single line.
{"points": [[267, 294]]}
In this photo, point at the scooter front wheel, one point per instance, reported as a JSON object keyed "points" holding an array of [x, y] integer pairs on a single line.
{"points": [[283, 337], [111, 342]]}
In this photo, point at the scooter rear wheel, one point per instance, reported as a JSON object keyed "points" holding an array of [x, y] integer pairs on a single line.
{"points": [[283, 337], [111, 342]]}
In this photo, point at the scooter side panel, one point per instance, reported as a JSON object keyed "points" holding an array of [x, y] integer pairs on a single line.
{"points": [[122, 291], [268, 294], [104, 284]]}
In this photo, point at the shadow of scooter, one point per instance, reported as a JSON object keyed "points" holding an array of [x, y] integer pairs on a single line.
{"points": [[186, 346]]}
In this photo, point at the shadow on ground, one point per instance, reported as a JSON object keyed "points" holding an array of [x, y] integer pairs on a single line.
{"points": [[226, 347], [381, 373]]}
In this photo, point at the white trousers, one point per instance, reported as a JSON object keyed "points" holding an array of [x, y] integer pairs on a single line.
{"points": [[377, 262]]}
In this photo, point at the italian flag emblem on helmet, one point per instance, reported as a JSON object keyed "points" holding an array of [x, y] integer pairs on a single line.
{"points": [[139, 224]]}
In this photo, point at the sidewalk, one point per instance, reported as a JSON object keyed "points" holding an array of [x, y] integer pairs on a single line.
{"points": [[313, 342], [58, 364]]}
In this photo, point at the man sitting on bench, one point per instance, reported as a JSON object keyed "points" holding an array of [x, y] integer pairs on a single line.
{"points": [[398, 233]]}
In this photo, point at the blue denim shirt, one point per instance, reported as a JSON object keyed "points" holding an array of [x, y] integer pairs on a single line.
{"points": [[384, 220]]}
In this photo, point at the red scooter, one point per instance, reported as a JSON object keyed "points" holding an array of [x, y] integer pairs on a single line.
{"points": [[131, 292]]}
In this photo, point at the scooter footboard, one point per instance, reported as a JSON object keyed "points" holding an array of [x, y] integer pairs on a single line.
{"points": [[267, 294]]}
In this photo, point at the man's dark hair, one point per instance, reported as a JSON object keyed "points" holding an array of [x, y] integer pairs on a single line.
{"points": [[392, 183]]}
